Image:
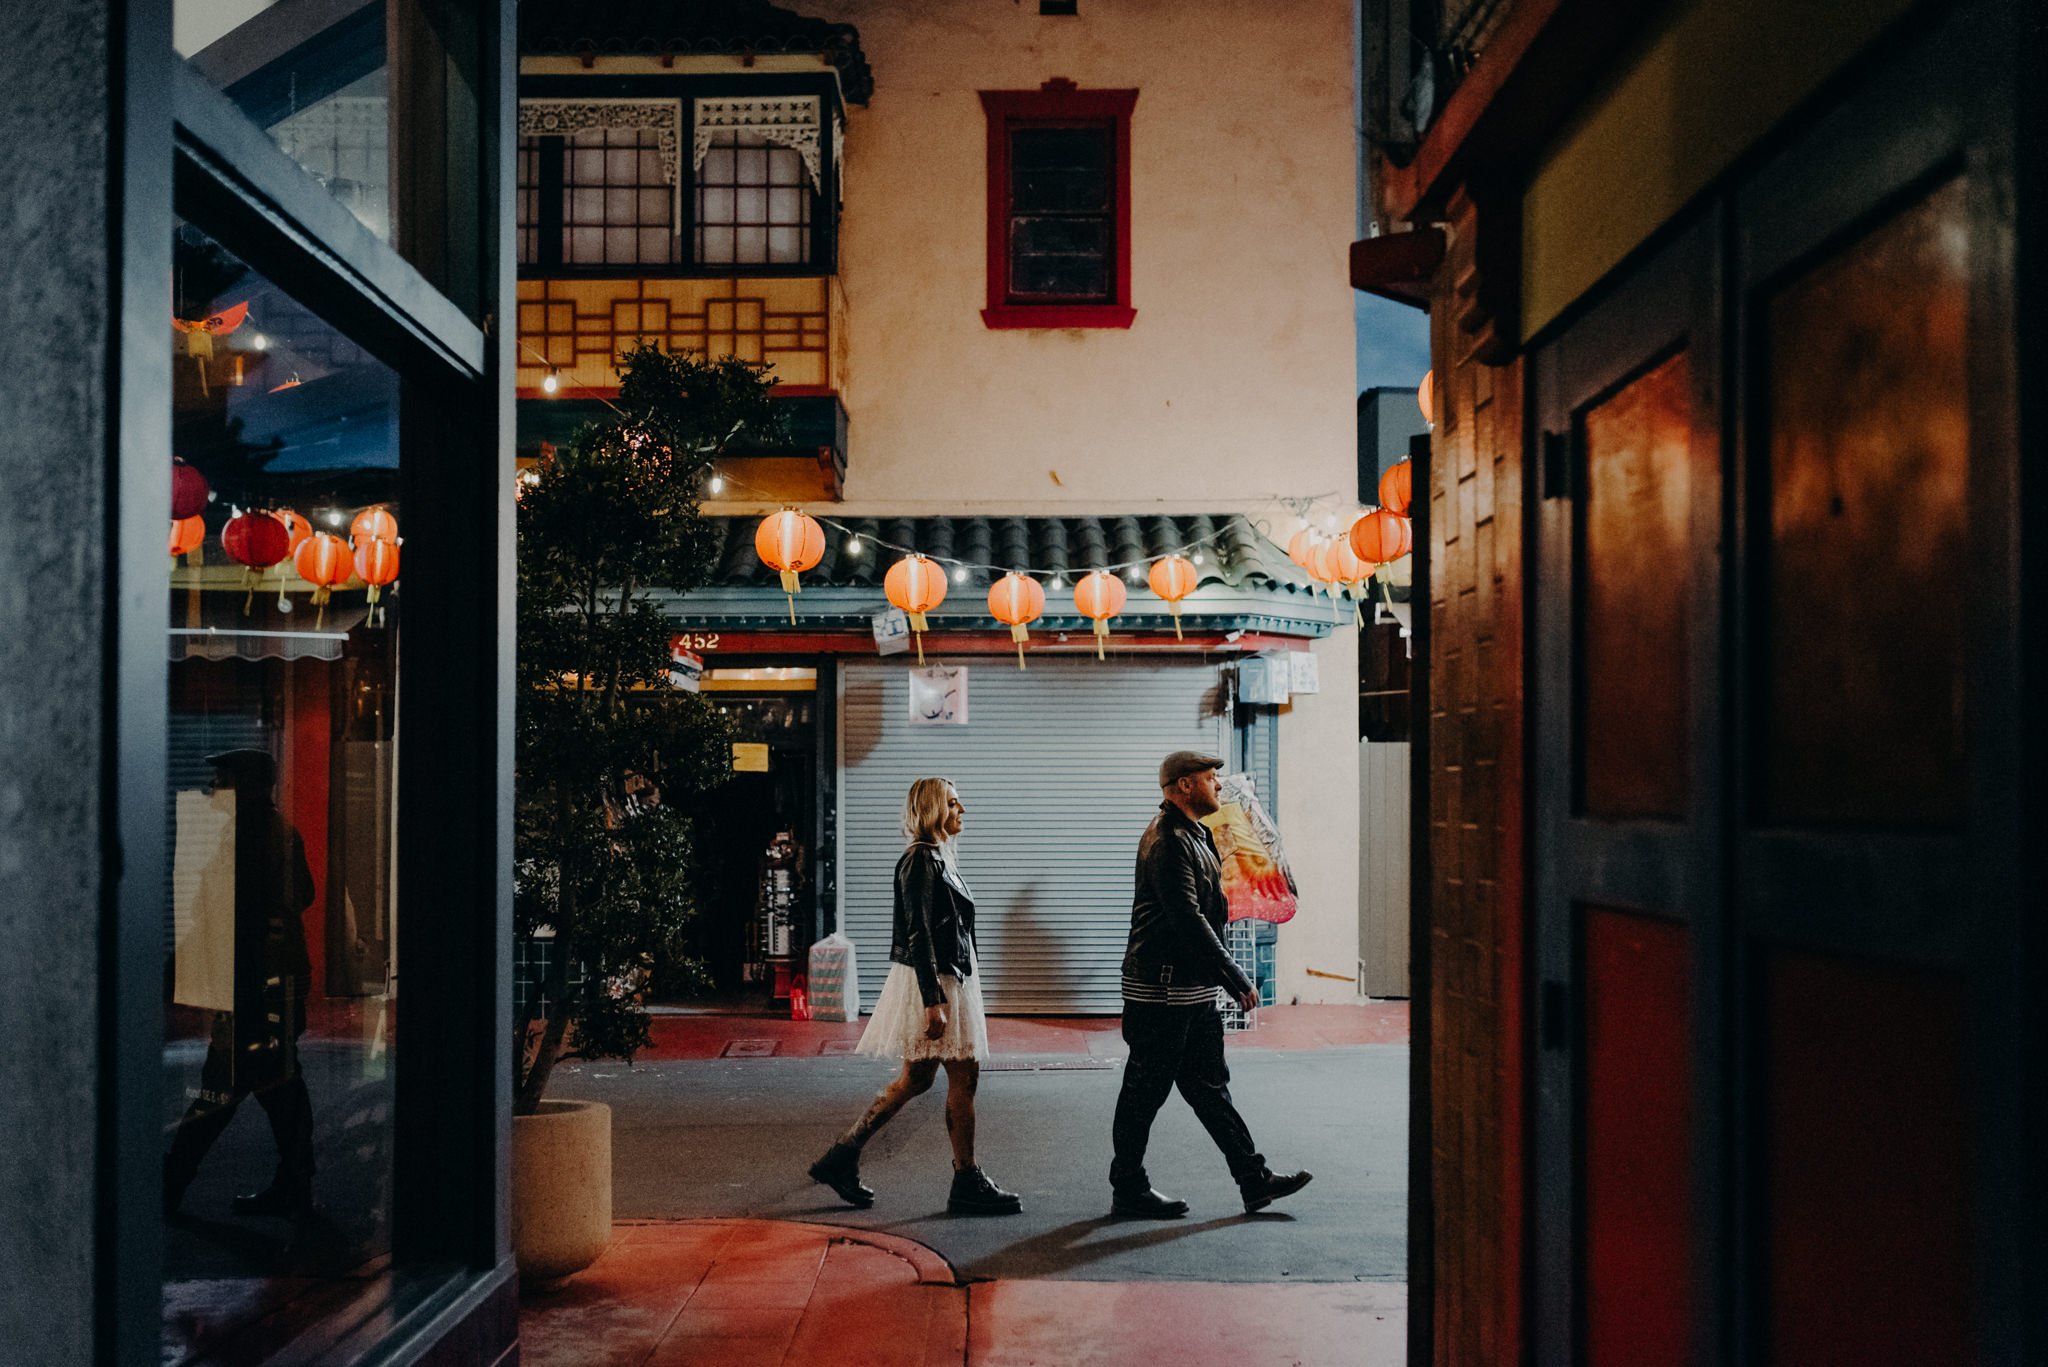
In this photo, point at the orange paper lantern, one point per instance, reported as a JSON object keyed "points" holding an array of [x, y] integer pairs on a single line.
{"points": [[323, 560], [1302, 545], [1381, 536], [186, 534], [1173, 579], [1017, 600], [1397, 487], [917, 586], [296, 529], [791, 542], [373, 524], [1099, 595], [1425, 397], [376, 565]]}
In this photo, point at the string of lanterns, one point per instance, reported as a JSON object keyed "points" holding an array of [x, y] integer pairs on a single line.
{"points": [[261, 539]]}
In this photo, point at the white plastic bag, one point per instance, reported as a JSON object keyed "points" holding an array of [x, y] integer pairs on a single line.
{"points": [[834, 985]]}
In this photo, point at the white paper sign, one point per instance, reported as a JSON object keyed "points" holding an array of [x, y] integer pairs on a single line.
{"points": [[686, 670], [938, 696], [1303, 666], [892, 631]]}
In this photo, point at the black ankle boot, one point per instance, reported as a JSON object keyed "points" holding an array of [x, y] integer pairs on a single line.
{"points": [[1146, 1204], [1266, 1188], [839, 1169], [974, 1194]]}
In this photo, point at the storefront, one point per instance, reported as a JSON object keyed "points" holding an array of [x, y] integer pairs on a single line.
{"points": [[1055, 754], [291, 699]]}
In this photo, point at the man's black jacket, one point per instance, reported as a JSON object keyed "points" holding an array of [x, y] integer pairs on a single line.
{"points": [[934, 921], [1178, 912]]}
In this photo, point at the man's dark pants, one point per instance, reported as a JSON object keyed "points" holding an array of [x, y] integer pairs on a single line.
{"points": [[1176, 1046]]}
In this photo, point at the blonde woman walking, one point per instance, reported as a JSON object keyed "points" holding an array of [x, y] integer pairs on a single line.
{"points": [[929, 1014]]}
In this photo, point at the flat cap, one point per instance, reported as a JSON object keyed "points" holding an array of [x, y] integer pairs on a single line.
{"points": [[1181, 763]]}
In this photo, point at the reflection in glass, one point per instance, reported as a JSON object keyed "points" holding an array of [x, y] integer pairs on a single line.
{"points": [[279, 972]]}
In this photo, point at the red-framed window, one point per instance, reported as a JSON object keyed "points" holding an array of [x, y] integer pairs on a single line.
{"points": [[1059, 207]]}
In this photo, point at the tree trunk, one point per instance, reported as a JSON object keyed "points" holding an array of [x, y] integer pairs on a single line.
{"points": [[536, 1083]]}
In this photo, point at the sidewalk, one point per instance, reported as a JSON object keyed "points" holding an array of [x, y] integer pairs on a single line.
{"points": [[694, 1036], [738, 1293]]}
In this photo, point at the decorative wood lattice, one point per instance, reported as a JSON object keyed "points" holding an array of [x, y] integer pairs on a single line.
{"points": [[579, 327]]}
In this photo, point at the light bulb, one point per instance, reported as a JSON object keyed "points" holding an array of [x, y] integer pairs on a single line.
{"points": [[551, 383], [335, 519], [1198, 557], [960, 574], [260, 342], [718, 484], [1059, 581], [853, 545]]}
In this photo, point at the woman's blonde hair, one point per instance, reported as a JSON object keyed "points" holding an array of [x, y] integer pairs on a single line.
{"points": [[925, 810]]}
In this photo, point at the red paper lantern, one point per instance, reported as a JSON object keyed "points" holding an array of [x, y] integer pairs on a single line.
{"points": [[1099, 595], [189, 491], [373, 524], [1017, 600], [1396, 487], [257, 540], [917, 586], [1381, 536], [791, 542], [376, 565], [186, 534], [1173, 579]]}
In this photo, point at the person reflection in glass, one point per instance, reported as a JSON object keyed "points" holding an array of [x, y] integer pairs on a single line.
{"points": [[255, 1047]]}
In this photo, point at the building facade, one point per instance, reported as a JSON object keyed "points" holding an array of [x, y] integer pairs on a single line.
{"points": [[261, 251], [1731, 1050], [1041, 292]]}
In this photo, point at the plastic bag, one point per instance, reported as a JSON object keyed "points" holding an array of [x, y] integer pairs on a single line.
{"points": [[834, 983]]}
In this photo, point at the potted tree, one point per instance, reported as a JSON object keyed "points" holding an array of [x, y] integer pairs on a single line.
{"points": [[602, 872]]}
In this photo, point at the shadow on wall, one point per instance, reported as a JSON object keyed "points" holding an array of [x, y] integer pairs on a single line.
{"points": [[1030, 946]]}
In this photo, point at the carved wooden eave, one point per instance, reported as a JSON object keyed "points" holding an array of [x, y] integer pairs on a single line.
{"points": [[1474, 163]]}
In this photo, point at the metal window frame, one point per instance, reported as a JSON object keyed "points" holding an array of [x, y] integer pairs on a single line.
{"points": [[186, 151]]}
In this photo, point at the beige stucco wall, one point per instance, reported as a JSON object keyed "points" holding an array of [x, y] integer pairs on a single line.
{"points": [[1318, 819]]}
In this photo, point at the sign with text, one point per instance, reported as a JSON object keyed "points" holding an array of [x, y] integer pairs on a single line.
{"points": [[685, 669], [892, 631]]}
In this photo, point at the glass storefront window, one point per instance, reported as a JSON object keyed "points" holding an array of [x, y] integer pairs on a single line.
{"points": [[280, 908], [377, 102]]}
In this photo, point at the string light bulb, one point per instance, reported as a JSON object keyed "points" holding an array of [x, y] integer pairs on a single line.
{"points": [[959, 574], [551, 382], [853, 545], [717, 485], [1059, 581], [1198, 557]]}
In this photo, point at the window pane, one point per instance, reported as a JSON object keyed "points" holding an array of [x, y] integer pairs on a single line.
{"points": [[715, 206], [654, 245], [786, 206], [752, 163], [786, 245], [619, 205], [717, 244], [280, 894], [337, 86], [654, 206], [751, 207], [718, 166], [618, 244], [1060, 169], [586, 206]]}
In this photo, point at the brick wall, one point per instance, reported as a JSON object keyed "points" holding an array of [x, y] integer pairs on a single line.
{"points": [[1475, 832]]}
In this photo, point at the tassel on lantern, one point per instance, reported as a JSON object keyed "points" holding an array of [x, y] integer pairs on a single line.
{"points": [[1019, 635], [1101, 636]]}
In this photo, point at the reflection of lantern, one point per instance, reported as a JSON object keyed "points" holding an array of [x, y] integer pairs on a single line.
{"points": [[917, 586], [376, 565], [186, 534], [791, 542], [1382, 536], [296, 529], [1016, 600], [1302, 545], [323, 561], [1397, 487], [373, 524], [258, 541], [1173, 579], [1099, 595], [1425, 397], [188, 491]]}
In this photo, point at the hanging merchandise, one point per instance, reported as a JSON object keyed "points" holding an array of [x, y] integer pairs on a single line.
{"points": [[1173, 579], [199, 335], [186, 535], [323, 561], [1017, 600], [257, 541], [376, 565], [1382, 536], [1396, 487], [1099, 595], [374, 524], [917, 586], [189, 491], [791, 542]]}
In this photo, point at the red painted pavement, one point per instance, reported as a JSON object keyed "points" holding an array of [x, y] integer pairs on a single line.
{"points": [[1279, 1027], [766, 1293]]}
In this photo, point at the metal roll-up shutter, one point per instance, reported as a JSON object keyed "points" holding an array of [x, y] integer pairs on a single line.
{"points": [[1059, 767]]}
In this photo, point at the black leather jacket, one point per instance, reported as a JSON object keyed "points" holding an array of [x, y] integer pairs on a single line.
{"points": [[1178, 912], [934, 921]]}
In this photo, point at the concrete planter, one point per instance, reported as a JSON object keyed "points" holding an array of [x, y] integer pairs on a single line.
{"points": [[561, 1189]]}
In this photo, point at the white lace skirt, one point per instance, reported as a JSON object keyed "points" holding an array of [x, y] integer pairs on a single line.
{"points": [[896, 1029]]}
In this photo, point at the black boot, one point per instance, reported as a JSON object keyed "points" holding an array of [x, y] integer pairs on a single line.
{"points": [[1146, 1204], [839, 1169], [1268, 1187], [974, 1194]]}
